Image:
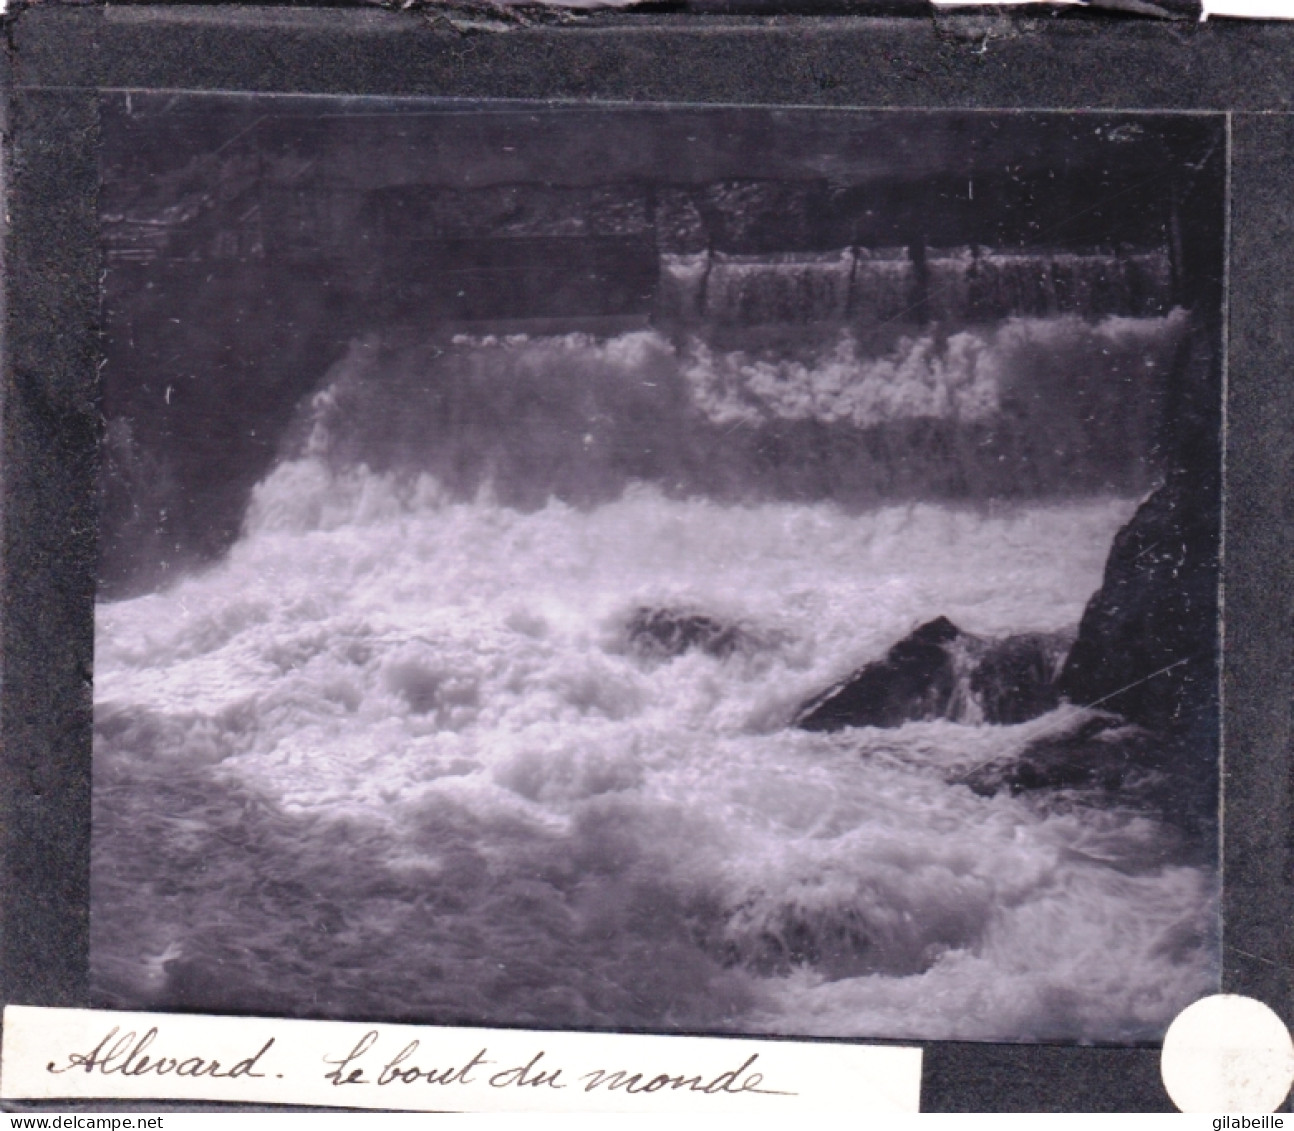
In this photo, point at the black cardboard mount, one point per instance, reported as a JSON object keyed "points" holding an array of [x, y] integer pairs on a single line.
{"points": [[58, 57]]}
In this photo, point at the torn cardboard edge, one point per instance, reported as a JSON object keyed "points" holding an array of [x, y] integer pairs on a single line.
{"points": [[1156, 9], [504, 15], [1123, 7]]}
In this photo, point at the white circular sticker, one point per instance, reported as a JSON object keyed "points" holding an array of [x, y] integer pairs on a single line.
{"points": [[1227, 1053]]}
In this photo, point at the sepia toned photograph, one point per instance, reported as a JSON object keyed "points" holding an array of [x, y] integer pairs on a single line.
{"points": [[674, 569]]}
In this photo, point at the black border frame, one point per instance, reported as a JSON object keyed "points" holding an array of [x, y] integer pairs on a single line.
{"points": [[58, 57]]}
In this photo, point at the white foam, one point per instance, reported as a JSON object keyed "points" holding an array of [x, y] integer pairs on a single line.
{"points": [[455, 674]]}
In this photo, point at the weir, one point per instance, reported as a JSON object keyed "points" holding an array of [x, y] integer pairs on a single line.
{"points": [[732, 252], [905, 285]]}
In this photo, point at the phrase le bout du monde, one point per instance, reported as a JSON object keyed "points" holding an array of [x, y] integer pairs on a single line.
{"points": [[127, 1055]]}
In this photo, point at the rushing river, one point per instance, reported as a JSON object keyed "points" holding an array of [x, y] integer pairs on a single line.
{"points": [[398, 755]]}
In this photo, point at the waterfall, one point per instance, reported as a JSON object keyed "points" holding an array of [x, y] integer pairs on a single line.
{"points": [[681, 292], [884, 285], [749, 290], [949, 275]]}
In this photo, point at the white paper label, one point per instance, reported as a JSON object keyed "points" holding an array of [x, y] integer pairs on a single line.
{"points": [[1249, 9], [1237, 9], [1001, 3], [92, 1054]]}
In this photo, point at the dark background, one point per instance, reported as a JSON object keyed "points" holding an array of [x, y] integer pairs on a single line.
{"points": [[57, 56]]}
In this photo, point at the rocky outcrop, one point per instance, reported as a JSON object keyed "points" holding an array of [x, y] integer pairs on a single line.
{"points": [[1099, 758], [1101, 753], [1015, 678], [1145, 663], [1146, 655], [940, 672], [1147, 644], [914, 681]]}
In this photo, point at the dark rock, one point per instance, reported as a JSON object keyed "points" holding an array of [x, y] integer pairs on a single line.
{"points": [[665, 633], [940, 672], [1146, 654], [1147, 644], [1101, 759], [1099, 755], [916, 680], [1015, 679]]}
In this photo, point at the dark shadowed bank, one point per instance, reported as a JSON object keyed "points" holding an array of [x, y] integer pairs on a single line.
{"points": [[1149, 642]]}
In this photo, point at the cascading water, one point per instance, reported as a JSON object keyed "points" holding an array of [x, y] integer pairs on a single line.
{"points": [[403, 752], [882, 285], [751, 290]]}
